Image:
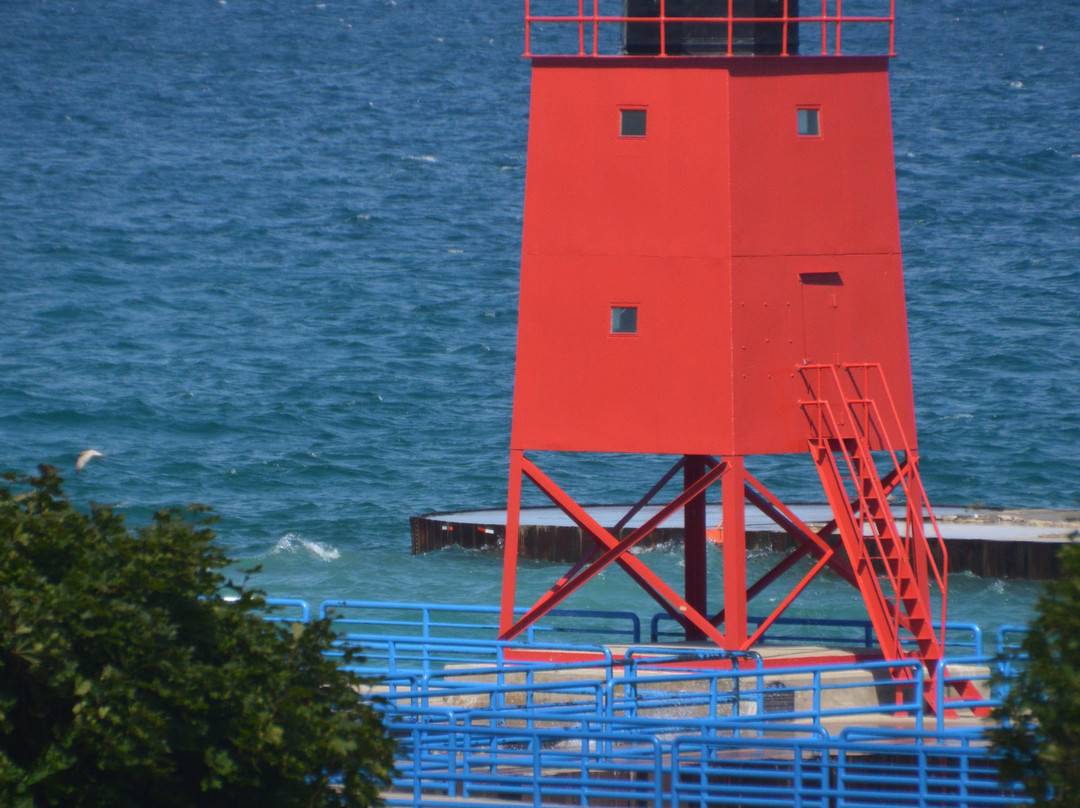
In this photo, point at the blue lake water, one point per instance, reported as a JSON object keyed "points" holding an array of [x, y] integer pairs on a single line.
{"points": [[263, 255]]}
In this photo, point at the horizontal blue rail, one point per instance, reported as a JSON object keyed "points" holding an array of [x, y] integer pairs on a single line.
{"points": [[432, 621], [1008, 638], [959, 637], [808, 695], [951, 768], [402, 622], [288, 610], [979, 671], [394, 656]]}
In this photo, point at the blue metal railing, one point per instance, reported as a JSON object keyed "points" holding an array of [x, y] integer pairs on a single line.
{"points": [[1008, 638], [966, 637], [652, 763], [407, 621], [810, 695], [394, 656], [977, 670], [447, 763], [491, 721], [432, 621], [288, 610], [792, 771], [953, 768], [527, 697]]}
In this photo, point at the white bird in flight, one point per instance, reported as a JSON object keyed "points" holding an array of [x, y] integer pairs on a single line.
{"points": [[86, 457]]}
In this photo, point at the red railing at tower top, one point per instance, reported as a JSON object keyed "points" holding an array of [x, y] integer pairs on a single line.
{"points": [[681, 28]]}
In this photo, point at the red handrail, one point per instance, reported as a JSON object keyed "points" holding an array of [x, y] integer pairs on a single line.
{"points": [[581, 17]]}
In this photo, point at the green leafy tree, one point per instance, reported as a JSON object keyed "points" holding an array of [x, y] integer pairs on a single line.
{"points": [[126, 680], [1039, 736]]}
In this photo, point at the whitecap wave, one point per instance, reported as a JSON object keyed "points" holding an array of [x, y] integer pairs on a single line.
{"points": [[295, 543]]}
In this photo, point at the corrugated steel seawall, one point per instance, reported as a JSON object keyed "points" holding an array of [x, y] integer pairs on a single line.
{"points": [[548, 542], [1020, 544]]}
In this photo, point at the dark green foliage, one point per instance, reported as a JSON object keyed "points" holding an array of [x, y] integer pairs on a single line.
{"points": [[1040, 736], [126, 681]]}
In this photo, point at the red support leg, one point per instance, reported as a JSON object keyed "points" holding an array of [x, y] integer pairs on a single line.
{"points": [[510, 542], [734, 510], [696, 586]]}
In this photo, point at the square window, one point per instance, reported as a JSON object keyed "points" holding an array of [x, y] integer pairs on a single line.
{"points": [[632, 123], [809, 125], [624, 319]]}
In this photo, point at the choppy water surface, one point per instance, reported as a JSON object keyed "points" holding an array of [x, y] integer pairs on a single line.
{"points": [[263, 255]]}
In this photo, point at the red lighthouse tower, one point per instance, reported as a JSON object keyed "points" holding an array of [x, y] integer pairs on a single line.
{"points": [[711, 270]]}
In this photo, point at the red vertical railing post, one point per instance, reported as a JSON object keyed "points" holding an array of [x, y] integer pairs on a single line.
{"points": [[581, 27], [730, 28], [596, 27], [839, 23], [892, 28], [920, 551], [528, 29], [824, 27], [663, 27], [784, 32]]}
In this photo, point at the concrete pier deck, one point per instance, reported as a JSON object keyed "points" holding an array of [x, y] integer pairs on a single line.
{"points": [[991, 542]]}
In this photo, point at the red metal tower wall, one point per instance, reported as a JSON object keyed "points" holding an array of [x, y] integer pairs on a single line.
{"points": [[747, 248]]}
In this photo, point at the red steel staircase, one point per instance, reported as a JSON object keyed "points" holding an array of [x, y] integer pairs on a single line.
{"points": [[894, 564]]}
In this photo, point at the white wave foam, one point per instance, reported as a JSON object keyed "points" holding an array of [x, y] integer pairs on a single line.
{"points": [[295, 543], [422, 158]]}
